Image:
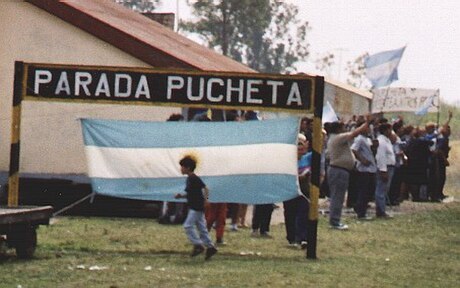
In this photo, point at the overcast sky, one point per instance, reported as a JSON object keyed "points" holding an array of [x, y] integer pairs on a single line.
{"points": [[349, 28]]}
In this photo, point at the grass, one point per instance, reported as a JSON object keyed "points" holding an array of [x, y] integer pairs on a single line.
{"points": [[412, 250]]}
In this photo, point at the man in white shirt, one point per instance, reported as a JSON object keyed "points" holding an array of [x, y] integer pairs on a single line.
{"points": [[386, 161]]}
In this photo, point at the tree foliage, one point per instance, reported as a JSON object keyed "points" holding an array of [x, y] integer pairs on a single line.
{"points": [[355, 69], [357, 72], [140, 5], [264, 34], [325, 62]]}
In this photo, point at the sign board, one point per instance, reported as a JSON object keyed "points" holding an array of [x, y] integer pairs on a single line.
{"points": [[403, 99], [172, 88], [248, 91]]}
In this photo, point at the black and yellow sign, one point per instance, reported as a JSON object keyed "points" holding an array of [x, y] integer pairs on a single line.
{"points": [[173, 88], [244, 91]]}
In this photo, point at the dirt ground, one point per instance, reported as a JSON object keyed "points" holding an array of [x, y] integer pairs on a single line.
{"points": [[405, 207]]}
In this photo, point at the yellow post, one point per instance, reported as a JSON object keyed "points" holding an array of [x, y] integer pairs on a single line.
{"points": [[312, 222], [315, 183], [13, 180]]}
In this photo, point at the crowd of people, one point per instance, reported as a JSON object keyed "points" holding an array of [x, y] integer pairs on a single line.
{"points": [[382, 161], [365, 159]]}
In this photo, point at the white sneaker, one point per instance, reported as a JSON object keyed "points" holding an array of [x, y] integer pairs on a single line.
{"points": [[293, 245], [303, 245], [340, 226]]}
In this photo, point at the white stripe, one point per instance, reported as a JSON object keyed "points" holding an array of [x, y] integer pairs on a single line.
{"points": [[271, 158], [384, 69]]}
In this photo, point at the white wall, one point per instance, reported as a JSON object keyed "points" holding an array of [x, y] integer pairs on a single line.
{"points": [[346, 100], [51, 138]]}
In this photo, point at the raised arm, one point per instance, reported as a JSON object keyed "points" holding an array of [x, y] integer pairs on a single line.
{"points": [[448, 119], [360, 129]]}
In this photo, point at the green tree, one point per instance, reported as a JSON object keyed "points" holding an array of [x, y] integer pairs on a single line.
{"points": [[264, 34], [325, 62], [140, 5], [357, 72]]}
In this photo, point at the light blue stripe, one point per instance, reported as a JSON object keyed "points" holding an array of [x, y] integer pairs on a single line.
{"points": [[138, 134], [383, 57], [248, 189], [385, 80]]}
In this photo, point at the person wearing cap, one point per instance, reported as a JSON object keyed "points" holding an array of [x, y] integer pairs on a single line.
{"points": [[341, 161]]}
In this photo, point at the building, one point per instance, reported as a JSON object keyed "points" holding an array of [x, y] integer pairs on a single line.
{"points": [[346, 99], [98, 33], [83, 32]]}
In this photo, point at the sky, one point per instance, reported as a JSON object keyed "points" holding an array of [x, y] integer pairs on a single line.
{"points": [[349, 28]]}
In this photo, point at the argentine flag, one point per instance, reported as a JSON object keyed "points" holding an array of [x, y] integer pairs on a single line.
{"points": [[252, 162], [382, 68], [428, 103], [329, 114]]}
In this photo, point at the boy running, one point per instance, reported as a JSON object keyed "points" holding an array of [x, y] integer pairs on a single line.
{"points": [[196, 195]]}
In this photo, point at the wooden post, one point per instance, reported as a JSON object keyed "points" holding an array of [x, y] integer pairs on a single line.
{"points": [[13, 179], [312, 231]]}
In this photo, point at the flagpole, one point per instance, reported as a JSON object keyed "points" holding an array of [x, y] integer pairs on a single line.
{"points": [[385, 99], [438, 106], [177, 20]]}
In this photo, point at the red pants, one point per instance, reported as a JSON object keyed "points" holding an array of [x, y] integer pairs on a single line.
{"points": [[216, 212]]}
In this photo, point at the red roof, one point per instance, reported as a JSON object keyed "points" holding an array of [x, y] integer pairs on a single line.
{"points": [[139, 36]]}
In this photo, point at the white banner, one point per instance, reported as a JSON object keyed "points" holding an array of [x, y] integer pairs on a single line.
{"points": [[403, 99]]}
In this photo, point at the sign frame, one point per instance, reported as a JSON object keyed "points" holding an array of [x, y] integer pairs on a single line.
{"points": [[181, 88], [315, 98]]}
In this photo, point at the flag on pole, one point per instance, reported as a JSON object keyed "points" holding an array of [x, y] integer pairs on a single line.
{"points": [[329, 114], [253, 162], [429, 102], [382, 68]]}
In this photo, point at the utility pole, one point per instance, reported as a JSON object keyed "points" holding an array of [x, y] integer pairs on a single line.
{"points": [[176, 24], [340, 54]]}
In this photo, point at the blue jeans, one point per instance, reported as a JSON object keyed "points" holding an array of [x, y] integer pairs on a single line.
{"points": [[381, 191], [337, 179], [195, 220]]}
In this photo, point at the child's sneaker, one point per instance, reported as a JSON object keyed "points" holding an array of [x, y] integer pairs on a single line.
{"points": [[197, 250], [209, 252]]}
